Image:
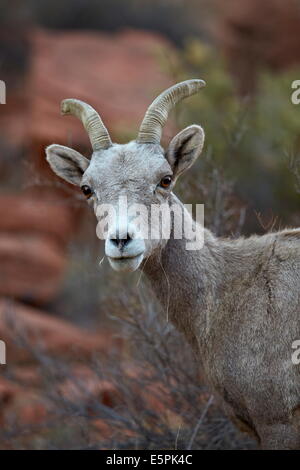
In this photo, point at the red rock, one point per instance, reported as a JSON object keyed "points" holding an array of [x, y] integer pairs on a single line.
{"points": [[255, 35], [7, 392], [31, 267], [47, 334], [30, 408], [21, 405], [26, 400], [103, 429], [21, 214], [119, 74], [27, 375], [83, 384]]}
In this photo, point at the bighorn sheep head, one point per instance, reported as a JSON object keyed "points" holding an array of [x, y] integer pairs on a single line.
{"points": [[140, 171]]}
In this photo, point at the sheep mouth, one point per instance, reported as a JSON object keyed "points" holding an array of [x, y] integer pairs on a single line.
{"points": [[125, 257], [124, 263]]}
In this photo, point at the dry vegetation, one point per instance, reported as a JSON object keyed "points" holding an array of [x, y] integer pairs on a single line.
{"points": [[151, 393]]}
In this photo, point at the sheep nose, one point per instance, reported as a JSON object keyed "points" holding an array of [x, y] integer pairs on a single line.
{"points": [[121, 242]]}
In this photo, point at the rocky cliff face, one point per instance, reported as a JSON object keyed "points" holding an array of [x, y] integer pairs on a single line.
{"points": [[255, 35], [119, 75]]}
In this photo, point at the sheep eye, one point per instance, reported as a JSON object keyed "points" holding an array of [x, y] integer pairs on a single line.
{"points": [[165, 182], [86, 191]]}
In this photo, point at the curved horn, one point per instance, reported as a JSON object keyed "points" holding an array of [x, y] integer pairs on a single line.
{"points": [[157, 113], [91, 120]]}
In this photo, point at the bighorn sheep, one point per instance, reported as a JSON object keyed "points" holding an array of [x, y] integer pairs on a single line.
{"points": [[236, 301]]}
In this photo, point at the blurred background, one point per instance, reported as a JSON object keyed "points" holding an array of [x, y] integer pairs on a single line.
{"points": [[91, 362]]}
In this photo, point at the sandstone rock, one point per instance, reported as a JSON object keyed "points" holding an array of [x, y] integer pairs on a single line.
{"points": [[119, 74], [21, 406], [21, 214], [29, 408], [45, 334], [84, 384], [31, 267], [255, 35], [7, 392]]}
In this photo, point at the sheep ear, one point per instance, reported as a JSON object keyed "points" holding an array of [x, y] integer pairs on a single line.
{"points": [[185, 148], [67, 163]]}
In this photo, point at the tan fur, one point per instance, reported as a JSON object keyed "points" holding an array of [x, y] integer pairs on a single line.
{"points": [[236, 301]]}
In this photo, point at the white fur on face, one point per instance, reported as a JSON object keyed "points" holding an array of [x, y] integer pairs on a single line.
{"points": [[131, 172]]}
